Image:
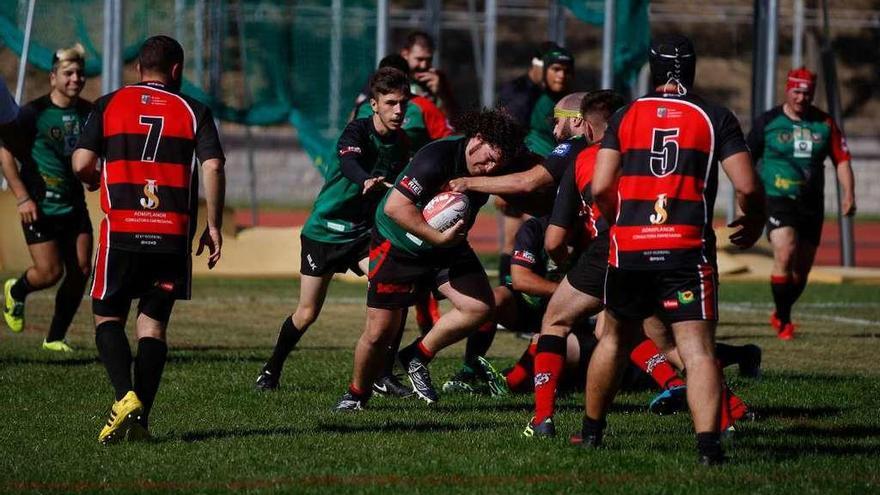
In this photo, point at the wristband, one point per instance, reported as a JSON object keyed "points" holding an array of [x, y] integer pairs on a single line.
{"points": [[25, 200]]}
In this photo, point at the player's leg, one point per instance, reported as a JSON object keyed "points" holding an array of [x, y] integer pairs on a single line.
{"points": [[370, 354], [466, 286], [782, 284], [115, 353], [154, 312], [46, 271], [76, 251], [567, 305]]}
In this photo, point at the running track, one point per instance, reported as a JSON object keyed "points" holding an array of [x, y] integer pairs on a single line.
{"points": [[484, 235]]}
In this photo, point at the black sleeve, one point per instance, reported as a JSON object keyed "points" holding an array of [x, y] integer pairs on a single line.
{"points": [[730, 139], [755, 140], [567, 202], [557, 161], [350, 150], [207, 139], [92, 135], [426, 173], [19, 135], [528, 244]]}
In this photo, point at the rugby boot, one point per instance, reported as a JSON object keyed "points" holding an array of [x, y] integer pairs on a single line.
{"points": [[139, 433], [348, 402], [750, 366], [669, 401], [592, 441], [496, 380], [57, 346], [543, 429], [13, 310], [775, 322], [268, 380], [123, 415], [787, 332], [464, 381], [420, 378], [391, 386]]}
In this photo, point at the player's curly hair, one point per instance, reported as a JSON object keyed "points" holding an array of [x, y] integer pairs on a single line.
{"points": [[495, 126]]}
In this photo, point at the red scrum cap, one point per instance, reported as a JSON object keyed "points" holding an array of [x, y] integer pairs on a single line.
{"points": [[801, 78]]}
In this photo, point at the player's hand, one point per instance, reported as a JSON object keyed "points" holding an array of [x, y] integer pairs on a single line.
{"points": [[375, 183], [848, 206], [750, 228], [430, 78], [453, 235], [213, 239], [458, 185], [28, 211]]}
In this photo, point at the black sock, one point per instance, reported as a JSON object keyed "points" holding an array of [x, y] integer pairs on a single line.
{"points": [[415, 350], [288, 337], [67, 301], [728, 354], [709, 445], [782, 292], [148, 366], [504, 268], [391, 357], [21, 288], [592, 427], [478, 344], [797, 288], [115, 354]]}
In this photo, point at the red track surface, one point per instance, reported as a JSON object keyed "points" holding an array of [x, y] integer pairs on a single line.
{"points": [[484, 235]]}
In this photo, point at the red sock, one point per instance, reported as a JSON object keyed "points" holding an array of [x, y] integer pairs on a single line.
{"points": [[517, 377], [425, 353], [427, 312], [549, 362], [648, 358]]}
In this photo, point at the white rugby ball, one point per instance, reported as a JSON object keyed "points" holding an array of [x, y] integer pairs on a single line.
{"points": [[446, 209]]}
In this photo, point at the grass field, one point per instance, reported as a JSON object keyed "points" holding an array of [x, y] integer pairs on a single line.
{"points": [[818, 406]]}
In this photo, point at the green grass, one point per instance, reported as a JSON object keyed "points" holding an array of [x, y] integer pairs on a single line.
{"points": [[818, 429]]}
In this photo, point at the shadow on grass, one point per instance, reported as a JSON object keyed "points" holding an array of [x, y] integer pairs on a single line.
{"points": [[201, 436], [797, 412], [852, 431], [411, 427], [782, 452], [17, 361]]}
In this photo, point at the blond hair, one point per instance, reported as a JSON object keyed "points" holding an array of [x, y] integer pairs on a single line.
{"points": [[75, 53]]}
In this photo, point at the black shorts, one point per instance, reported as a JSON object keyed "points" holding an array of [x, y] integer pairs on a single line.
{"points": [[398, 279], [320, 258], [588, 273], [528, 314], [805, 217], [681, 294], [61, 228], [157, 279]]}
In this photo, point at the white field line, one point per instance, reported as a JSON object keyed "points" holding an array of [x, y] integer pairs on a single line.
{"points": [[763, 308]]}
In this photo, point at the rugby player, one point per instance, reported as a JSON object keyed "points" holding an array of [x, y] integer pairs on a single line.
{"points": [[654, 181], [558, 77], [150, 137], [519, 95], [50, 199], [336, 236], [8, 108], [408, 257], [533, 189], [792, 141]]}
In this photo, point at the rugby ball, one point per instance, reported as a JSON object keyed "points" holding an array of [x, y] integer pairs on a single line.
{"points": [[446, 209]]}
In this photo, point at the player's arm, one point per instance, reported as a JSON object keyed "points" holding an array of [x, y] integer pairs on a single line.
{"points": [[27, 207], [525, 182], [564, 214], [405, 213], [843, 160], [350, 148], [604, 183], [528, 282], [89, 147], [210, 155], [737, 164]]}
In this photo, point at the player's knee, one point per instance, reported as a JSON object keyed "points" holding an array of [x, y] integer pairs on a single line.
{"points": [[84, 269], [306, 315], [479, 311], [46, 275]]}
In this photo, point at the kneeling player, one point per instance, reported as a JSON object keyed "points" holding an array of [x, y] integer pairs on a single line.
{"points": [[336, 236], [409, 257]]}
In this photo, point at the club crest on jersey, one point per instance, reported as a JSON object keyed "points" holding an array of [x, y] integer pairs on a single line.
{"points": [[145, 99], [411, 185], [660, 215], [151, 200], [562, 149]]}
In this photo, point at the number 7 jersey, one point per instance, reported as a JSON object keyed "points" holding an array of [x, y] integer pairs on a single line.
{"points": [[150, 138], [670, 146]]}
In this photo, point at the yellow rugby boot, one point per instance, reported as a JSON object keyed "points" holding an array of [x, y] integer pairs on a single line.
{"points": [[13, 311], [124, 413]]}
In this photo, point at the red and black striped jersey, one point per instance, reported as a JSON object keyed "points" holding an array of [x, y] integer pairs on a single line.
{"points": [[670, 146], [574, 199], [150, 139]]}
